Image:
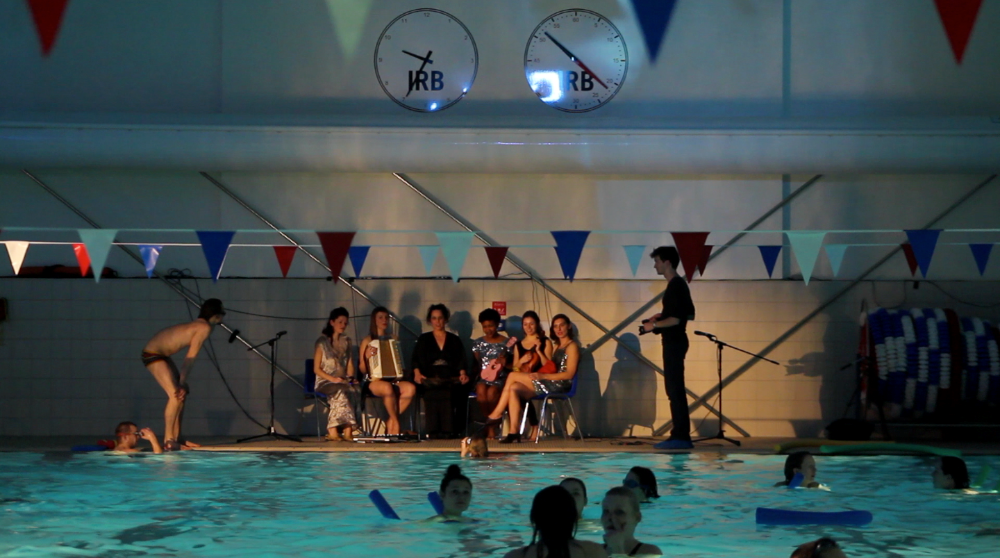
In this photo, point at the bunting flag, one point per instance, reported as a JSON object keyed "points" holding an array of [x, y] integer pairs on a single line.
{"points": [[215, 245], [691, 249], [48, 15], [770, 256], [496, 255], [634, 253], [98, 243], [16, 250], [335, 248], [981, 252], [358, 255], [455, 247], [958, 18], [82, 258], [654, 18], [150, 254], [835, 253], [569, 248], [805, 246], [705, 256], [911, 260], [428, 254], [348, 18], [923, 242], [285, 255]]}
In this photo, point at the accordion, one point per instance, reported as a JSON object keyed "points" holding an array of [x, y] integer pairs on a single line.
{"points": [[387, 364]]}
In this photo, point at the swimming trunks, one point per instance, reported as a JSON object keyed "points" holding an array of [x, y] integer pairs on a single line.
{"points": [[149, 358]]}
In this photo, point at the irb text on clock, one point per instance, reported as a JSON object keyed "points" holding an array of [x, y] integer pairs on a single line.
{"points": [[418, 79]]}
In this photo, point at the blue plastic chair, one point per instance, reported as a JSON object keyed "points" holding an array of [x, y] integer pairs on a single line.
{"points": [[567, 397], [309, 392]]}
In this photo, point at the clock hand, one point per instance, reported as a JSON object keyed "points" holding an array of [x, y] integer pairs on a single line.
{"points": [[575, 59], [426, 60], [418, 57]]}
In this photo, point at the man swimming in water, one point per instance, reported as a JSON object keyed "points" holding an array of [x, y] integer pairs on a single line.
{"points": [[156, 357], [127, 436]]}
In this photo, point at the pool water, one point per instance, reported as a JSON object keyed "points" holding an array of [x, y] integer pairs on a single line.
{"points": [[316, 504]]}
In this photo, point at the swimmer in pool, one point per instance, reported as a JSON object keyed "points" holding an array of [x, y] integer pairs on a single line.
{"points": [[820, 548], [456, 495], [620, 516], [642, 481], [553, 515], [951, 474], [578, 491], [127, 436], [800, 462], [475, 447]]}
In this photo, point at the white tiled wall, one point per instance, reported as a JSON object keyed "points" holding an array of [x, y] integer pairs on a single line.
{"points": [[69, 350]]}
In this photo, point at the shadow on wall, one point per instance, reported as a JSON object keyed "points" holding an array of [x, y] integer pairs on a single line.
{"points": [[630, 397], [587, 403]]}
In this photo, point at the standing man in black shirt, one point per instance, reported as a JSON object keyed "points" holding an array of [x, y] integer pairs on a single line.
{"points": [[671, 325]]}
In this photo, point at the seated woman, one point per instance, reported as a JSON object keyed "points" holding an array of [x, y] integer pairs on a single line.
{"points": [[439, 370], [951, 474], [334, 369], [456, 495], [396, 395], [620, 515], [554, 515], [491, 352], [800, 462], [642, 482], [530, 354], [523, 386]]}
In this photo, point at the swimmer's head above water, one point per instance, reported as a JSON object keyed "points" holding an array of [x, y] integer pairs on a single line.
{"points": [[951, 474], [455, 492]]}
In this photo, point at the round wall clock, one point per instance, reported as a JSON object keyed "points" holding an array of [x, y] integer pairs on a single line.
{"points": [[575, 60], [426, 60]]}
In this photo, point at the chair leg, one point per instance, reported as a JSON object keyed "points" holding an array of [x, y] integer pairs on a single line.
{"points": [[541, 418], [524, 417], [572, 413], [316, 407]]}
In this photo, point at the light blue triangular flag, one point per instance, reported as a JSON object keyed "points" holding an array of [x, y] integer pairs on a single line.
{"points": [[634, 254], [150, 254], [455, 247], [805, 246], [835, 253], [428, 254], [98, 243]]}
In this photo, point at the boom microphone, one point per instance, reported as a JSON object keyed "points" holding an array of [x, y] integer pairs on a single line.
{"points": [[280, 333], [233, 335], [703, 334]]}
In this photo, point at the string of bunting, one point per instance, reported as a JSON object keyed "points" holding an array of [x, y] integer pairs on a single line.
{"points": [[94, 246]]}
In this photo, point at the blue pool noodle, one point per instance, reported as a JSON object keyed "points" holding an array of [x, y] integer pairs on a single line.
{"points": [[796, 480], [383, 507], [89, 447], [435, 499], [774, 516]]}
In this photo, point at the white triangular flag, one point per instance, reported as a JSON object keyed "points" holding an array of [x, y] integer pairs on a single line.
{"points": [[805, 246], [16, 249]]}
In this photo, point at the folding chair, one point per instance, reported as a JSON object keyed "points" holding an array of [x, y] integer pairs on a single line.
{"points": [[567, 397]]}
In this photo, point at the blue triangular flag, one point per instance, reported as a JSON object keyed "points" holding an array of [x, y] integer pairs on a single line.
{"points": [[215, 244], [455, 247], [98, 243], [569, 247], [150, 254], [770, 256], [358, 255], [835, 253], [923, 242], [982, 254], [805, 246], [634, 254], [428, 254], [654, 18]]}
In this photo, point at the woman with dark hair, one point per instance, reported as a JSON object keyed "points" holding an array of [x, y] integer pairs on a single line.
{"points": [[642, 482], [523, 385], [439, 370], [334, 369], [951, 473], [554, 515], [491, 352], [396, 395], [456, 495]]}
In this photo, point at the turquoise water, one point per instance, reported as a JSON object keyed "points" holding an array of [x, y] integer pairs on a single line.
{"points": [[315, 504]]}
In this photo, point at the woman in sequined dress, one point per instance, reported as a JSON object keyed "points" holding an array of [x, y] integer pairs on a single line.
{"points": [[490, 350]]}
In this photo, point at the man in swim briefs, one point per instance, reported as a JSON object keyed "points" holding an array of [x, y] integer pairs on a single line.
{"points": [[156, 357]]}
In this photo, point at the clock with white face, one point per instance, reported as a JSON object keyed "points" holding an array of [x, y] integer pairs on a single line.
{"points": [[426, 60], [575, 60]]}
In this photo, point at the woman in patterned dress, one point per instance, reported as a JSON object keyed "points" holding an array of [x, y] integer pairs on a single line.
{"points": [[334, 369]]}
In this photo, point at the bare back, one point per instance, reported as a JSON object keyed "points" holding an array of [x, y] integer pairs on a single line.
{"points": [[577, 549], [174, 338]]}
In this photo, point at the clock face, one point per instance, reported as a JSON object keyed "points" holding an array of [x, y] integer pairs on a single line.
{"points": [[575, 60], [426, 60]]}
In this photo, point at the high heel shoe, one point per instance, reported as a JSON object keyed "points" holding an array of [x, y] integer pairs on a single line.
{"points": [[511, 438], [490, 421]]}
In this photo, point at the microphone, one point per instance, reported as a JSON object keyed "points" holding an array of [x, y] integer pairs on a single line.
{"points": [[703, 334], [280, 333], [233, 335]]}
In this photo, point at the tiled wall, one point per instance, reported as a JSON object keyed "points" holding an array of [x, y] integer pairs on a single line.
{"points": [[69, 350]]}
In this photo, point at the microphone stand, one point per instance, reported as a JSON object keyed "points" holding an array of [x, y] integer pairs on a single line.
{"points": [[719, 345], [271, 433]]}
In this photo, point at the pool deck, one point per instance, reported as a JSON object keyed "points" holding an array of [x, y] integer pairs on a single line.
{"points": [[755, 445]]}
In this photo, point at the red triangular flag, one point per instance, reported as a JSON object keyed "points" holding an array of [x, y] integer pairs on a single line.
{"points": [[48, 16], [704, 259], [496, 254], [335, 248], [285, 254], [911, 258], [958, 18], [82, 258], [691, 248]]}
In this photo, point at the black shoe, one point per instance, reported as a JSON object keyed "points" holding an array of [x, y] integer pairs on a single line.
{"points": [[511, 438]]}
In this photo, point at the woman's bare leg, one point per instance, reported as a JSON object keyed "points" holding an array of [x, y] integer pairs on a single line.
{"points": [[518, 392], [513, 379], [384, 390]]}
